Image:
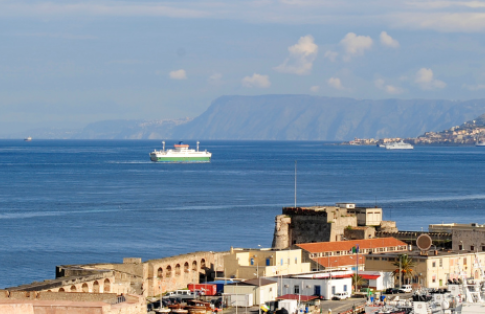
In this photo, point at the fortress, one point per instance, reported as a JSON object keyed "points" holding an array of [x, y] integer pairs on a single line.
{"points": [[343, 221]]}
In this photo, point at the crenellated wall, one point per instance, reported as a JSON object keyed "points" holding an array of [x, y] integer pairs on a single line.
{"points": [[311, 224]]}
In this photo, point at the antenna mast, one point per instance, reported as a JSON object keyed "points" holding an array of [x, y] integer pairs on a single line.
{"points": [[295, 183]]}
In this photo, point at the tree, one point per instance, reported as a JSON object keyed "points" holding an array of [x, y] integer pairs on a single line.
{"points": [[357, 280], [406, 264]]}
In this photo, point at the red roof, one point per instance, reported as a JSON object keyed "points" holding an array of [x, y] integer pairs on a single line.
{"points": [[369, 276], [303, 298], [337, 261], [348, 245]]}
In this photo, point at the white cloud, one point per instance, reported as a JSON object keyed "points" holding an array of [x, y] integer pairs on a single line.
{"points": [[257, 80], [331, 55], [425, 79], [315, 88], [390, 89], [178, 75], [388, 41], [215, 78], [474, 87], [335, 83], [355, 45], [301, 57]]}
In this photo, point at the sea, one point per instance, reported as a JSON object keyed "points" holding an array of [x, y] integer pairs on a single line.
{"points": [[90, 201]]}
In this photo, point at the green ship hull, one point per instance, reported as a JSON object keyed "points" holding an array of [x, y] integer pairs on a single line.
{"points": [[181, 159]]}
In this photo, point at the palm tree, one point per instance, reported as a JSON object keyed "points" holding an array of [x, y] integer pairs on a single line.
{"points": [[357, 280], [406, 264]]}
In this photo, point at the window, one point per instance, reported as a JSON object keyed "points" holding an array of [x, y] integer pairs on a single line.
{"points": [[252, 261], [460, 247], [296, 289], [281, 262], [441, 262], [434, 278], [483, 247], [296, 260], [464, 261], [384, 258], [345, 288], [434, 264], [472, 248], [268, 262], [333, 289], [270, 289]]}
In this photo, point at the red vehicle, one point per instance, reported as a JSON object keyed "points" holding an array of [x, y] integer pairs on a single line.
{"points": [[204, 288]]}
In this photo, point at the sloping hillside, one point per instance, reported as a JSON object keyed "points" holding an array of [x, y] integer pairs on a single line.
{"points": [[304, 117]]}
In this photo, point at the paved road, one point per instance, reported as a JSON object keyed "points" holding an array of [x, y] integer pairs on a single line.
{"points": [[339, 306]]}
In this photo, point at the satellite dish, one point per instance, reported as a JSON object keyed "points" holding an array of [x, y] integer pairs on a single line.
{"points": [[424, 242]]}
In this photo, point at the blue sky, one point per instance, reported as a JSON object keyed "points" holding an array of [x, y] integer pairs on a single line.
{"points": [[67, 63]]}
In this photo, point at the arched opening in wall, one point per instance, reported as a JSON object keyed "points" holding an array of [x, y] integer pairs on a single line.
{"points": [[61, 290], [177, 270], [194, 265], [107, 285], [85, 287], [186, 267], [73, 288], [202, 264], [49, 290], [169, 271], [160, 272], [96, 287]]}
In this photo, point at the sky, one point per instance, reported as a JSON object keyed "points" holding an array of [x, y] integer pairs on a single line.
{"points": [[64, 64]]}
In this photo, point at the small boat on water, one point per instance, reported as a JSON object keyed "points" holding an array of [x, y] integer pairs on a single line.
{"points": [[480, 143], [28, 139], [399, 145]]}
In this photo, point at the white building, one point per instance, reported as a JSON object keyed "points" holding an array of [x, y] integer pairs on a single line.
{"points": [[377, 280], [323, 284], [262, 290]]}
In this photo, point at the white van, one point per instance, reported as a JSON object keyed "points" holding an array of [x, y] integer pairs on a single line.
{"points": [[406, 288]]}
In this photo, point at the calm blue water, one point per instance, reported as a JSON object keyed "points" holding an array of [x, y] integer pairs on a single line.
{"points": [[67, 202]]}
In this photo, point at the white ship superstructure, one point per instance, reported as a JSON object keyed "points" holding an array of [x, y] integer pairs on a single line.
{"points": [[399, 145]]}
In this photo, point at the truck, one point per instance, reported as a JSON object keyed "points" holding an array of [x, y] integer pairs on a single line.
{"points": [[203, 288]]}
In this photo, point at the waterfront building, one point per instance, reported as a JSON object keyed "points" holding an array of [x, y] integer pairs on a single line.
{"points": [[320, 284], [245, 263], [261, 289], [432, 268], [342, 255]]}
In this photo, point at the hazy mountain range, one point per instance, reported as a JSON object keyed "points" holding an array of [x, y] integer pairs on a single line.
{"points": [[288, 117]]}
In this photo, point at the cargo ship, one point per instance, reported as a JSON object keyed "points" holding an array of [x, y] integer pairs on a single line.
{"points": [[180, 153]]}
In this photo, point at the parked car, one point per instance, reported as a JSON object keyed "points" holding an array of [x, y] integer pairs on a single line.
{"points": [[394, 291], [406, 288], [340, 296]]}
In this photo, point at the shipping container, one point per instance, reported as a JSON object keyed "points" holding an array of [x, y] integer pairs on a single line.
{"points": [[205, 289]]}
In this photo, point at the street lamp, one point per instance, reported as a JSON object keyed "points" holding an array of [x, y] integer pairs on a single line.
{"points": [[236, 293]]}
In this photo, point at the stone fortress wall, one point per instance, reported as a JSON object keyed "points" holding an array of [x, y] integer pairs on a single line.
{"points": [[327, 224], [147, 278], [32, 302]]}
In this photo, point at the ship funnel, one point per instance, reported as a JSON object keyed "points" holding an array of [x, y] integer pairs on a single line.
{"points": [[198, 145], [163, 144]]}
